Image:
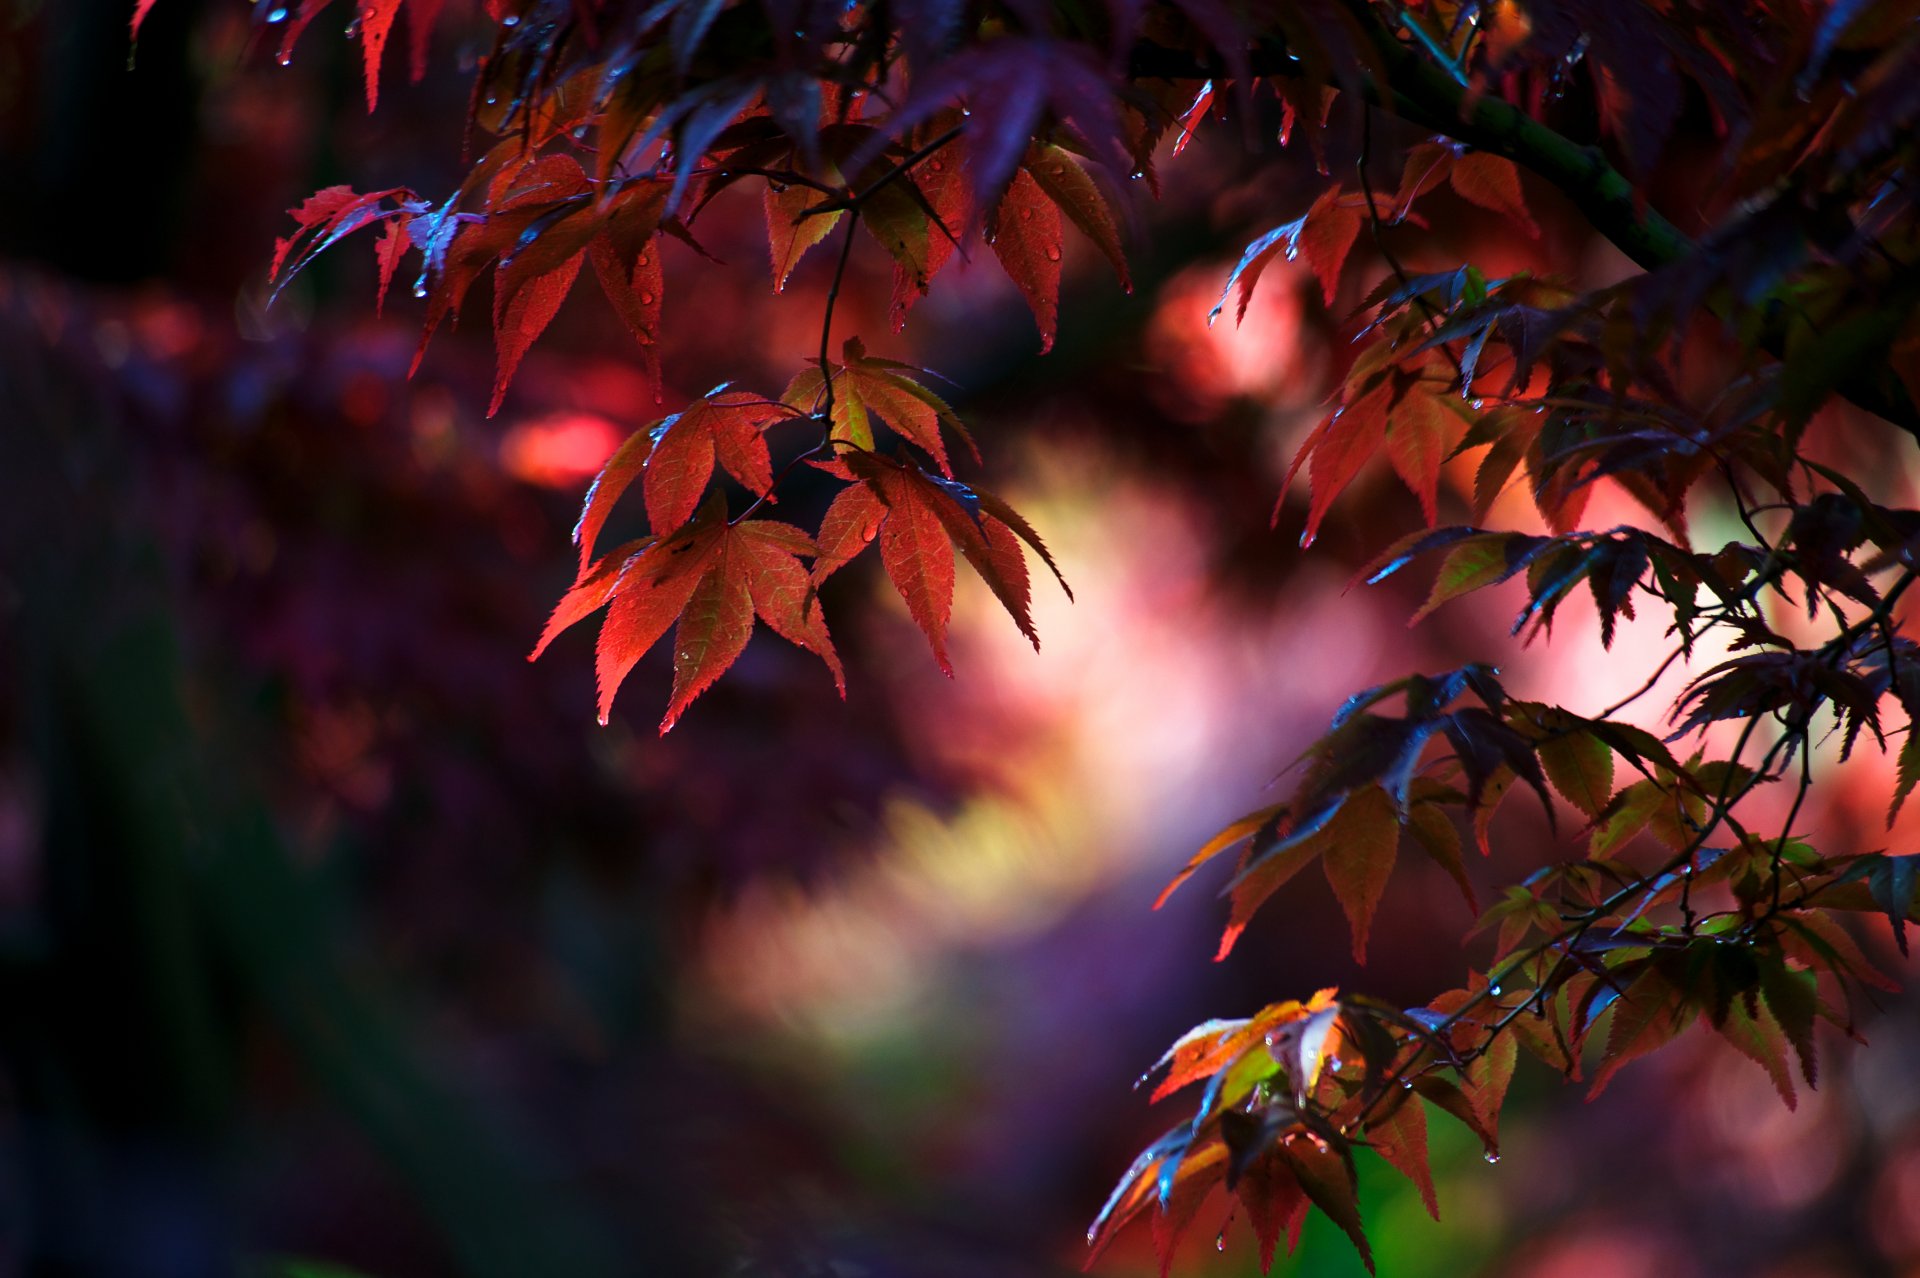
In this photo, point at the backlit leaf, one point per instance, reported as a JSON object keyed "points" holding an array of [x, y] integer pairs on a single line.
{"points": [[1025, 234]]}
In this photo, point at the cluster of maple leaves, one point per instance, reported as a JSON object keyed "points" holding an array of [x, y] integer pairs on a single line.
{"points": [[932, 123]]}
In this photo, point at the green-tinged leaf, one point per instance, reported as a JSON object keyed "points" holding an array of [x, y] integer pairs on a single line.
{"points": [[789, 232], [1793, 998], [1755, 1035], [1477, 562], [1909, 774], [1581, 769], [1651, 1014], [1892, 882], [1624, 816], [1488, 1076]]}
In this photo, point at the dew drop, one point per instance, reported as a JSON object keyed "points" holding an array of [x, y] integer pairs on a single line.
{"points": [[1333, 1064], [353, 30], [511, 20], [1053, 252], [420, 290], [1090, 1233], [1494, 990], [277, 14], [1492, 1157], [493, 99], [1406, 1084], [1026, 215], [1220, 1239], [938, 166], [285, 59], [646, 299]]}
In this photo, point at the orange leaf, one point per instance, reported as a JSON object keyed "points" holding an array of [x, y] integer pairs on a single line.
{"points": [[1419, 431], [710, 580], [789, 235], [1493, 182], [1327, 237]]}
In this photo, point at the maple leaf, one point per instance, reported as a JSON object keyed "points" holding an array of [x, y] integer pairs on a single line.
{"points": [[374, 22], [518, 321], [865, 387], [1025, 234], [727, 424], [789, 233], [708, 581], [918, 519], [1008, 87]]}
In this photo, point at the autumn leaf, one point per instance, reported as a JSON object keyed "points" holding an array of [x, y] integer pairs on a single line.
{"points": [[1068, 184], [925, 517], [1025, 234], [1361, 840], [1327, 1177], [1580, 767], [789, 233], [1419, 431], [523, 318], [1492, 182], [865, 387], [1275, 1203], [726, 424], [709, 581], [1401, 1139], [374, 21]]}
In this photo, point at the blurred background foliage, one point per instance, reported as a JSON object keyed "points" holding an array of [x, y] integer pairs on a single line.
{"points": [[337, 940]]}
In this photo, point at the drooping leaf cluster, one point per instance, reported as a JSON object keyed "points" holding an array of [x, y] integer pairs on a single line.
{"points": [[1715, 372]]}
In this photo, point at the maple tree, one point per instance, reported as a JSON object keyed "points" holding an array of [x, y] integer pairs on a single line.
{"points": [[1740, 363]]}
